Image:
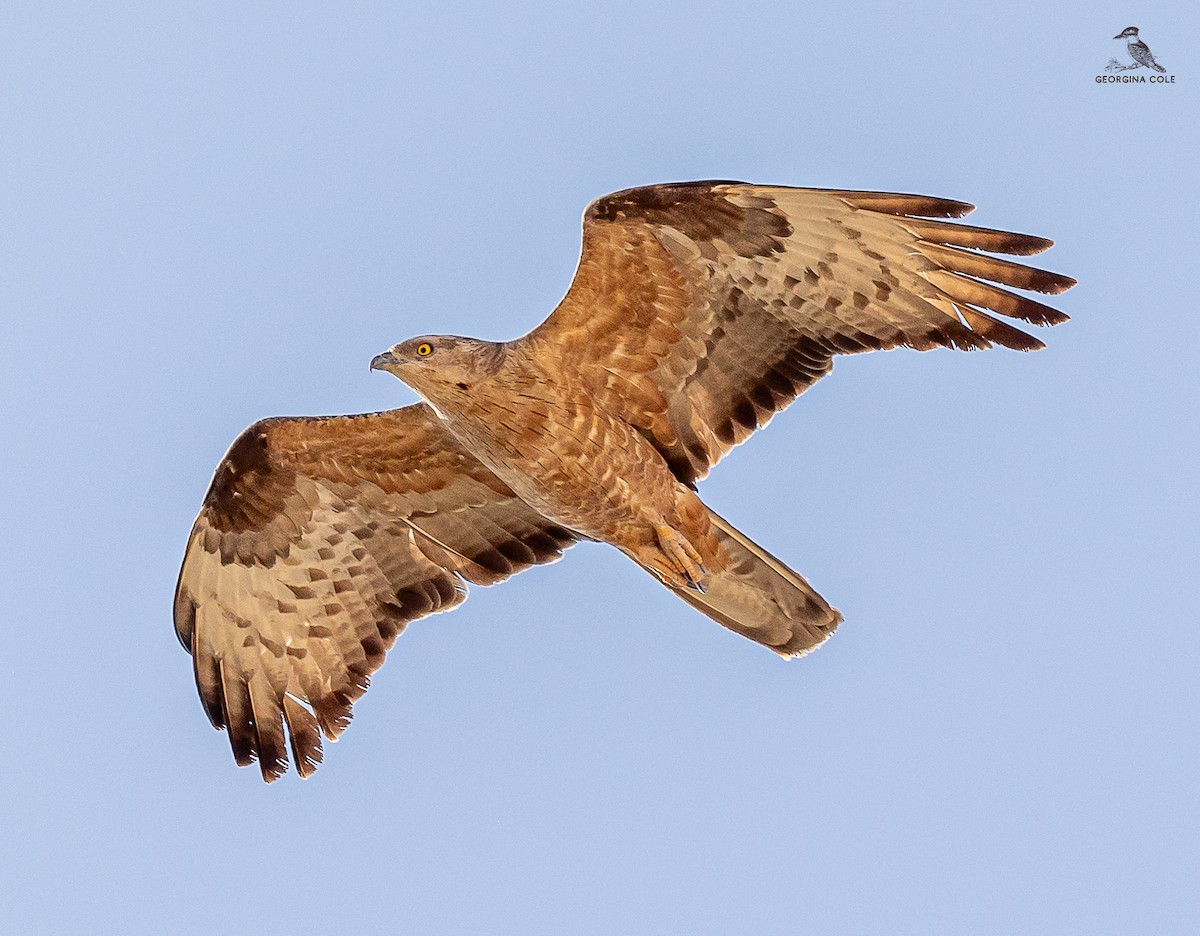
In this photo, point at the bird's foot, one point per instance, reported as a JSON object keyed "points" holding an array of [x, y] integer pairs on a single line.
{"points": [[683, 566]]}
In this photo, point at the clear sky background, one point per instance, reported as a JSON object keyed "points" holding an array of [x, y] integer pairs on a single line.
{"points": [[213, 212]]}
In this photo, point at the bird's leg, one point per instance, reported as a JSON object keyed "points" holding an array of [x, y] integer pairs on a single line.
{"points": [[684, 565]]}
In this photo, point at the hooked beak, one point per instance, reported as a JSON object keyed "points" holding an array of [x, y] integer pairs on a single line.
{"points": [[1119, 36], [384, 361]]}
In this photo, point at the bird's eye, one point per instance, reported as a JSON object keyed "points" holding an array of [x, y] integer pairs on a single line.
{"points": [[424, 349]]}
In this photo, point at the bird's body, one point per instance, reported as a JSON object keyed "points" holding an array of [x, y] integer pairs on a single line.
{"points": [[564, 453], [1138, 50], [698, 311]]}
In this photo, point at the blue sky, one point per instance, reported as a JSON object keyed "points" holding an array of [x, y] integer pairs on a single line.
{"points": [[216, 212]]}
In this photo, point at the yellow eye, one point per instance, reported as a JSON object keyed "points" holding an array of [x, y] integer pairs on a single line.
{"points": [[424, 349]]}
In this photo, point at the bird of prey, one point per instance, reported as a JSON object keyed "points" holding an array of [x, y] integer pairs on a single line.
{"points": [[697, 312], [1138, 50]]}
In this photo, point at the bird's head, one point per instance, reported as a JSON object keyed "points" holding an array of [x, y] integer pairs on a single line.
{"points": [[1130, 32], [441, 367]]}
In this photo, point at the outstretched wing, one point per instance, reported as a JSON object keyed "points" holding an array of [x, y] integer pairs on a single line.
{"points": [[701, 309], [318, 541]]}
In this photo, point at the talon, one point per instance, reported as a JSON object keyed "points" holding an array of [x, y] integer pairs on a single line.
{"points": [[686, 566]]}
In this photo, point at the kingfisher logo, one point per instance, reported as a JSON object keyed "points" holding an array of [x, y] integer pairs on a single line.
{"points": [[1140, 66]]}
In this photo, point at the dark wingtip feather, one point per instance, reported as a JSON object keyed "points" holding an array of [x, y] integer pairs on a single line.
{"points": [[240, 723], [207, 671], [268, 730], [945, 208], [977, 238], [999, 332], [305, 737], [897, 203], [995, 269], [964, 289], [333, 713], [1026, 245]]}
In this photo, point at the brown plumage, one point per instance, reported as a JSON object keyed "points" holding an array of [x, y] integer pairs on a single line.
{"points": [[698, 311]]}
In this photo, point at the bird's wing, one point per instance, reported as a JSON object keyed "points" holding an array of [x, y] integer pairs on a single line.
{"points": [[701, 309], [318, 541], [1141, 52]]}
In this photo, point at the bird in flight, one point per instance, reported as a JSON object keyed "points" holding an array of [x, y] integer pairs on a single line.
{"points": [[1138, 50], [697, 312]]}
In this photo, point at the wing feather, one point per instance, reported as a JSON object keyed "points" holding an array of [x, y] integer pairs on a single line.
{"points": [[976, 238], [701, 309], [318, 542], [996, 269]]}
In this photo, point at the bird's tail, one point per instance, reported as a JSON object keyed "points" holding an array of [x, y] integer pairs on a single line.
{"points": [[759, 597], [1157, 67]]}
